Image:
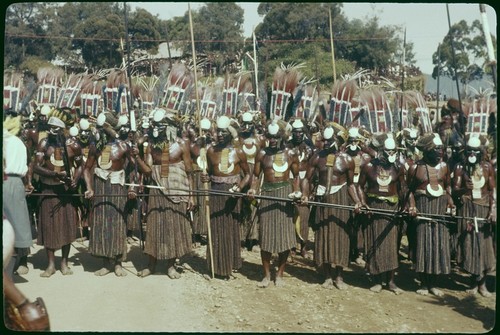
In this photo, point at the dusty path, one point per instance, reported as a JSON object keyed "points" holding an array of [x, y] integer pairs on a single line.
{"points": [[84, 302]]}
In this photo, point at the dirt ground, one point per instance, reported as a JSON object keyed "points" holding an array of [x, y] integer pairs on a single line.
{"points": [[84, 302]]}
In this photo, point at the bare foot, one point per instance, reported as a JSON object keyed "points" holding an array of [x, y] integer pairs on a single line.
{"points": [[172, 273], [360, 261], [279, 282], [48, 272], [22, 270], [102, 272], [328, 283], [264, 283], [396, 290], [119, 271], [484, 292], [436, 292], [144, 273], [339, 283], [472, 291], [66, 271], [423, 291], [376, 288]]}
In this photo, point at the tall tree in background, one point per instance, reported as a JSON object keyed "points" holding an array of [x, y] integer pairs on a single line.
{"points": [[470, 50]]}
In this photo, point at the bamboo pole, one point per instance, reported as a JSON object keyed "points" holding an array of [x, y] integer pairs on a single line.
{"points": [[331, 45], [202, 152]]}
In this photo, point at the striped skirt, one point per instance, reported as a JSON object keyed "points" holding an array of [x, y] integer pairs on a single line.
{"points": [[108, 231], [58, 217], [199, 217], [225, 232], [331, 238], [381, 239], [168, 228], [277, 231], [476, 252], [432, 250]]}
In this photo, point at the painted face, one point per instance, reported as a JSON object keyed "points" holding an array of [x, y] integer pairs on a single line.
{"points": [[55, 130], [298, 134], [223, 135], [274, 141], [247, 128], [84, 135], [353, 144], [473, 156], [390, 155]]}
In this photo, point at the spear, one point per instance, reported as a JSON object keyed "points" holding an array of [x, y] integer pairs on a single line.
{"points": [[203, 155]]}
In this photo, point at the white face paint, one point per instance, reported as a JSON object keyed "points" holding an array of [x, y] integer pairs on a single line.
{"points": [[353, 147], [391, 158], [472, 159], [155, 132]]}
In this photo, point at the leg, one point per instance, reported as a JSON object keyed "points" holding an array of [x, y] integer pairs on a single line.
{"points": [[22, 269], [391, 284], [106, 265], [51, 268], [119, 271], [282, 257], [171, 271], [327, 269], [474, 285], [65, 270], [339, 281], [482, 286], [432, 285], [377, 288], [150, 269], [266, 264], [424, 285]]}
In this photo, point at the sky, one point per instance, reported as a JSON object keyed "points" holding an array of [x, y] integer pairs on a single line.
{"points": [[426, 23]]}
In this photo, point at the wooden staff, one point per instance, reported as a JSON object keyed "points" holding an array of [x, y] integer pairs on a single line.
{"points": [[203, 154], [331, 45]]}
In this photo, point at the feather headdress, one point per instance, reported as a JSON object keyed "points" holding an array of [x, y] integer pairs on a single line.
{"points": [[90, 95], [49, 84], [417, 101], [305, 100], [145, 90], [210, 93], [178, 81], [379, 112], [115, 92], [285, 80], [69, 91], [12, 86], [478, 112]]}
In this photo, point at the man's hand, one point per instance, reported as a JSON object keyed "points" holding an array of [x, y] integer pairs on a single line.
{"points": [[89, 194], [28, 189], [204, 177], [132, 194]]}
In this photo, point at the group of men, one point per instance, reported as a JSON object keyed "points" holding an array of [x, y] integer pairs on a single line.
{"points": [[244, 181]]}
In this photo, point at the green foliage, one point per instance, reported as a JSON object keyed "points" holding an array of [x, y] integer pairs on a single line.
{"points": [[32, 64], [460, 52]]}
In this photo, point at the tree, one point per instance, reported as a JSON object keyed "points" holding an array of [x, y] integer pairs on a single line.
{"points": [[469, 48]]}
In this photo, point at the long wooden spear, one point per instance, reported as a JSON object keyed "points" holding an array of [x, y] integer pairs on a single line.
{"points": [[331, 45], [203, 154]]}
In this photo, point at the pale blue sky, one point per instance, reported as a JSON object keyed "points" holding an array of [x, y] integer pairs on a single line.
{"points": [[426, 23]]}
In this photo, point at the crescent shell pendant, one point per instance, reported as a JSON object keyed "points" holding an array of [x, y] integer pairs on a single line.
{"points": [[436, 193]]}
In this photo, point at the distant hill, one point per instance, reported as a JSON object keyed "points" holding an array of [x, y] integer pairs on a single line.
{"points": [[448, 87]]}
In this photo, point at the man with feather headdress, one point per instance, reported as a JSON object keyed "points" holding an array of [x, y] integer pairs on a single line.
{"points": [[226, 170], [104, 175], [429, 184], [277, 234], [168, 227], [335, 171], [59, 168]]}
